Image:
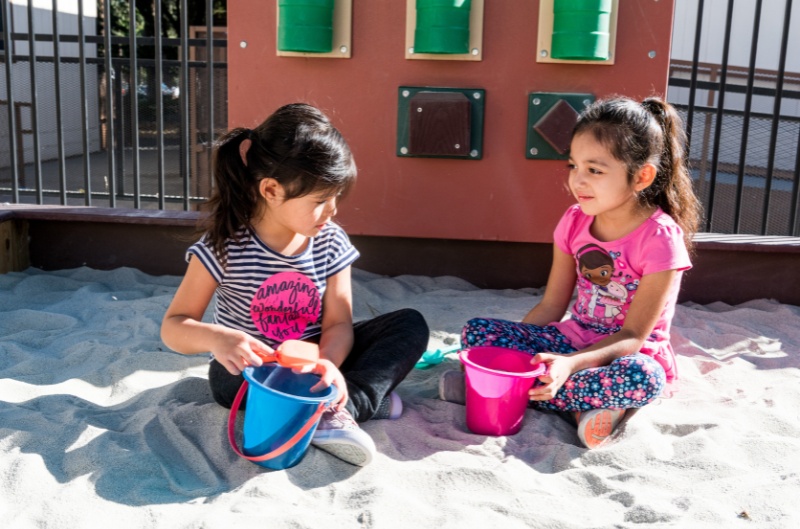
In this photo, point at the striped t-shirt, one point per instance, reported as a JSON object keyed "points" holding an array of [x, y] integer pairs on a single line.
{"points": [[271, 296]]}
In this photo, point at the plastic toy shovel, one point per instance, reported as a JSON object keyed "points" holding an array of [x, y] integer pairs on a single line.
{"points": [[292, 354]]}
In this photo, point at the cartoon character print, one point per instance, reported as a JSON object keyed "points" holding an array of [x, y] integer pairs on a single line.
{"points": [[606, 296]]}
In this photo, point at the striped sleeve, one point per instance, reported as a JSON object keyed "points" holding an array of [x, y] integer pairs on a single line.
{"points": [[201, 250], [341, 252]]}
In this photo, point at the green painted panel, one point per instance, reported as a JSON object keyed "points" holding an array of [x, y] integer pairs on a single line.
{"points": [[581, 30], [305, 26], [442, 26]]}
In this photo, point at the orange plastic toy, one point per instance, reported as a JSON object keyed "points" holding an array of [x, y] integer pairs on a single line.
{"points": [[292, 354]]}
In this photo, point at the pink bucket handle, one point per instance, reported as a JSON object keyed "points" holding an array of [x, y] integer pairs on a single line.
{"points": [[281, 449], [539, 369]]}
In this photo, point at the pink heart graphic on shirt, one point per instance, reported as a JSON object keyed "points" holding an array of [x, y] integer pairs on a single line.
{"points": [[284, 305]]}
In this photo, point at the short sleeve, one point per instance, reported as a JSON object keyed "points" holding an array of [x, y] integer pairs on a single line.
{"points": [[202, 251], [341, 252], [665, 250], [565, 230]]}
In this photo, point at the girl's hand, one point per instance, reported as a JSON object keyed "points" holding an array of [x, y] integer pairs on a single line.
{"points": [[329, 374], [559, 368], [236, 350]]}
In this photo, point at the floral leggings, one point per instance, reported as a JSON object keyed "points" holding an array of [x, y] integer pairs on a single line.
{"points": [[628, 382]]}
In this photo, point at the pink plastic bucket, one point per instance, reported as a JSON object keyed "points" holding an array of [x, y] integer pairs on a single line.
{"points": [[498, 380]]}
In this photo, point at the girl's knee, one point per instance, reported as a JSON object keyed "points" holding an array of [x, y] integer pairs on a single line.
{"points": [[223, 399], [658, 380], [414, 318], [654, 373], [413, 324], [474, 325], [475, 332], [223, 385], [649, 376]]}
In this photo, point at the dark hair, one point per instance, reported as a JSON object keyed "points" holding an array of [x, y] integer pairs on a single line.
{"points": [[297, 146], [592, 256], [648, 132]]}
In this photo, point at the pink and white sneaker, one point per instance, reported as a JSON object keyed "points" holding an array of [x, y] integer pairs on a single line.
{"points": [[339, 434]]}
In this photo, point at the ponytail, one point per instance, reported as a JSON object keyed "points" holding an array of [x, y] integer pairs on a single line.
{"points": [[672, 189], [235, 197]]}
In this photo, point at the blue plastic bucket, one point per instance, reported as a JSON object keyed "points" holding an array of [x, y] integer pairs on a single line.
{"points": [[279, 406]]}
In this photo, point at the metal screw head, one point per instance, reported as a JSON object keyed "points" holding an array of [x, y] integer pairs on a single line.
{"points": [[457, 146], [419, 109], [651, 54], [475, 51], [543, 53], [536, 101], [404, 150], [534, 151], [476, 95], [411, 50], [406, 93], [243, 44], [343, 49], [473, 153]]}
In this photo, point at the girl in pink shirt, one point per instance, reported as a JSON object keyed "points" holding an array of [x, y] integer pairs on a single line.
{"points": [[624, 247]]}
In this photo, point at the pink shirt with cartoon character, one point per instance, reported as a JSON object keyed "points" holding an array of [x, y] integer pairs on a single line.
{"points": [[608, 276]]}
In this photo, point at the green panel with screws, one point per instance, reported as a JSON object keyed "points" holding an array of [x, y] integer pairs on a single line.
{"points": [[551, 117], [477, 99]]}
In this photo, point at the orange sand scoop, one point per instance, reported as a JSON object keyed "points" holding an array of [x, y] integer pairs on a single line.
{"points": [[292, 354]]}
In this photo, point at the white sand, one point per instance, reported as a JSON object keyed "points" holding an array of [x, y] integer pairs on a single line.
{"points": [[100, 426]]}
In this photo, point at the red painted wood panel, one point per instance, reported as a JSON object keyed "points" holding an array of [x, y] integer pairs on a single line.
{"points": [[504, 196]]}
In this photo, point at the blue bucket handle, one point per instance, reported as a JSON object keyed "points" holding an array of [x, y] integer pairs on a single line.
{"points": [[312, 421]]}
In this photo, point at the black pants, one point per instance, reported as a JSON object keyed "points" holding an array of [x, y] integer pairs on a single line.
{"points": [[384, 351]]}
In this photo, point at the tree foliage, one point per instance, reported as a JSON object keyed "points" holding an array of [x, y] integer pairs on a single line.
{"points": [[170, 20]]}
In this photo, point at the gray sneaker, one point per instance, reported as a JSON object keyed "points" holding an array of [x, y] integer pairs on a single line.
{"points": [[452, 387], [339, 435]]}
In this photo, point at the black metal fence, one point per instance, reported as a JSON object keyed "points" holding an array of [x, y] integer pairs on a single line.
{"points": [[96, 118], [742, 109]]}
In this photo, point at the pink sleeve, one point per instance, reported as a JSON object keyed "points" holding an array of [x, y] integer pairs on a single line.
{"points": [[564, 232], [665, 250]]}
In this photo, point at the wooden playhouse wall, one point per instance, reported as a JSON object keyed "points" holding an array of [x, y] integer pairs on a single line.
{"points": [[502, 197]]}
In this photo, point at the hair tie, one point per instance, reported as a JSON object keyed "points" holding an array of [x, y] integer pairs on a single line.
{"points": [[245, 144], [654, 109]]}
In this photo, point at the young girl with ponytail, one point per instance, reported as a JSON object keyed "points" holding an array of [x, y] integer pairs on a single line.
{"points": [[624, 245], [280, 269]]}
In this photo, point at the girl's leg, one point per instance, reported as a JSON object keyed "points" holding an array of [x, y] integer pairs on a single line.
{"points": [[224, 386], [628, 382], [385, 350], [523, 337]]}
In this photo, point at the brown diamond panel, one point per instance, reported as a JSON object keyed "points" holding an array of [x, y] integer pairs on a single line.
{"points": [[555, 127]]}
